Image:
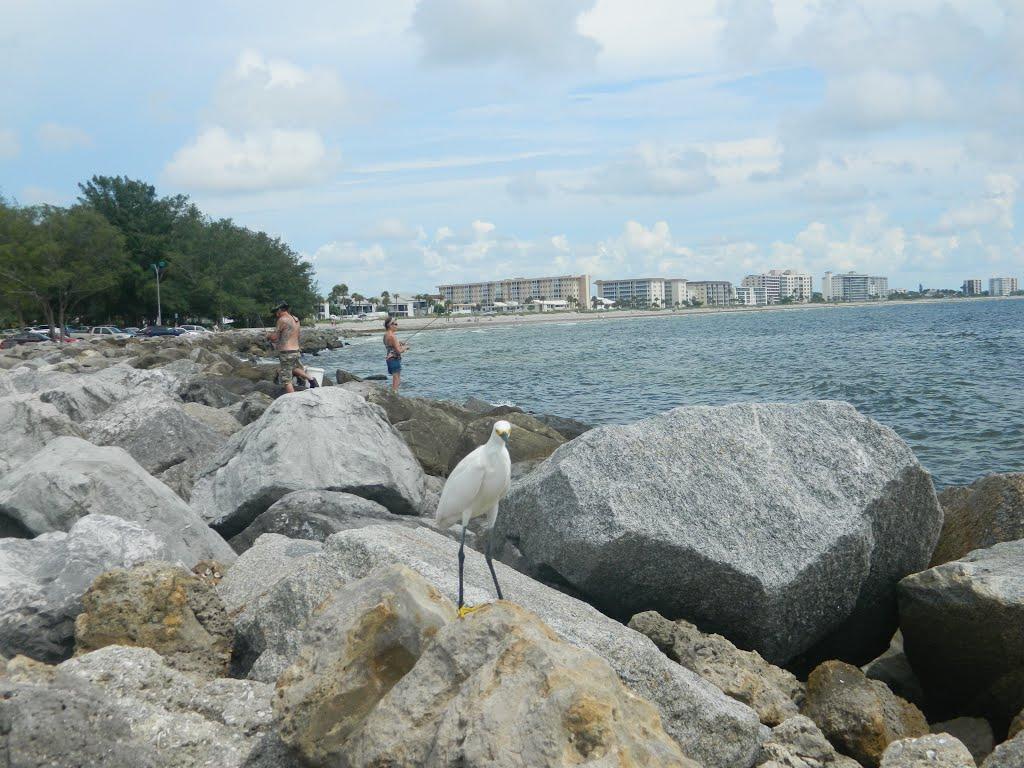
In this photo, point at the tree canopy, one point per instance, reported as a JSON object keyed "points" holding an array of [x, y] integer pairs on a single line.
{"points": [[95, 258]]}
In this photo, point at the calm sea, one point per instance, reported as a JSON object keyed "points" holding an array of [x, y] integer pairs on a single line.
{"points": [[948, 377]]}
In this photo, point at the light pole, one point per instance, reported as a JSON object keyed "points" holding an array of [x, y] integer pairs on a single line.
{"points": [[158, 268]]}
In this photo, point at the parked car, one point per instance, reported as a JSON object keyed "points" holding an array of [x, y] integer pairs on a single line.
{"points": [[106, 332], [132, 330], [195, 329], [157, 330], [28, 337]]}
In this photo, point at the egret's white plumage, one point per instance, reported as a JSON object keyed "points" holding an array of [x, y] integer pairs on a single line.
{"points": [[473, 489], [478, 482]]}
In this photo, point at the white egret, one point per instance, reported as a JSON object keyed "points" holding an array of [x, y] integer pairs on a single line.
{"points": [[473, 489]]}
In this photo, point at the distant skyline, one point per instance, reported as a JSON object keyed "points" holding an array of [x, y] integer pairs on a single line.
{"points": [[404, 144]]}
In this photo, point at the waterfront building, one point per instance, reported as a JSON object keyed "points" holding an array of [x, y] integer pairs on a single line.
{"points": [[746, 295], [778, 284], [517, 290], [711, 292], [852, 286], [1002, 286], [643, 291], [971, 287]]}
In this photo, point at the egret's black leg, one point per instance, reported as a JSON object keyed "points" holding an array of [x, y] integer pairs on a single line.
{"points": [[490, 564], [462, 560]]}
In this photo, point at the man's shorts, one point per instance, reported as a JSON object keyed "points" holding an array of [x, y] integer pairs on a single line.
{"points": [[394, 365], [286, 363]]}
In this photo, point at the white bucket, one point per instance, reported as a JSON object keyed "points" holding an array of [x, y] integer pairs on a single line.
{"points": [[316, 373]]}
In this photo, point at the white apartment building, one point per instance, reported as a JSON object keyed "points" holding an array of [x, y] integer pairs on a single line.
{"points": [[971, 287], [779, 284], [517, 290], [644, 291], [852, 286], [748, 296], [711, 292], [1002, 286]]}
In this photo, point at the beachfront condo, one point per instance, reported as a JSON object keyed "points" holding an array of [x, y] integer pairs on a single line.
{"points": [[852, 286], [644, 291], [971, 287], [778, 284], [1002, 286], [712, 293], [572, 289]]}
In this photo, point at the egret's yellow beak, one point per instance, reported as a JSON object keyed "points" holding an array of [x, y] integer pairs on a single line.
{"points": [[504, 435]]}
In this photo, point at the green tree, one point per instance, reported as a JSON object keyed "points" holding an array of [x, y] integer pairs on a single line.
{"points": [[56, 258]]}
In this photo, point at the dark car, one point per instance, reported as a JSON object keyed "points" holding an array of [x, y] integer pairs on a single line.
{"points": [[158, 330], [25, 337]]}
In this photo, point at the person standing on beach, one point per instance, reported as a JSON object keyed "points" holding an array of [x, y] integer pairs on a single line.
{"points": [[286, 342], [395, 349]]}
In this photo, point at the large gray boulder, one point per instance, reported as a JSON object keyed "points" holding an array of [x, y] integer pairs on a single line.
{"points": [[156, 430], [711, 728], [42, 580], [322, 439], [936, 750], [799, 743], [28, 425], [124, 707], [71, 478], [979, 515], [1009, 754], [316, 515], [784, 527], [82, 398], [963, 630]]}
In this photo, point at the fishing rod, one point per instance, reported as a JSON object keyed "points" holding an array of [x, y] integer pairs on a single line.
{"points": [[436, 318]]}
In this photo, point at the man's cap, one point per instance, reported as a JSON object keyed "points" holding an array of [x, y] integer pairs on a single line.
{"points": [[279, 305]]}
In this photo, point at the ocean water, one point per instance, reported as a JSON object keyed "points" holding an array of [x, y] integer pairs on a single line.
{"points": [[948, 377]]}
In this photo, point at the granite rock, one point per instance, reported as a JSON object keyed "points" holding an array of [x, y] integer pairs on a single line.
{"points": [[784, 527], [315, 515], [322, 439], [42, 580], [936, 750], [71, 478], [798, 743], [963, 630]]}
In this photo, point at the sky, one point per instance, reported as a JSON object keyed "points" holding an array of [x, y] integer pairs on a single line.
{"points": [[402, 144]]}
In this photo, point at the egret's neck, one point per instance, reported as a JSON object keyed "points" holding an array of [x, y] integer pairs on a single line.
{"points": [[495, 443]]}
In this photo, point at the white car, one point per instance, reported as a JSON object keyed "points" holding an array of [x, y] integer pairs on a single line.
{"points": [[195, 329], [106, 332]]}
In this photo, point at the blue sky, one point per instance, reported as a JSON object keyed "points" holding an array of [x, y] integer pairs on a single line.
{"points": [[400, 144]]}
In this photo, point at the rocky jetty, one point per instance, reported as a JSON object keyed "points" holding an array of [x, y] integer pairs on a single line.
{"points": [[750, 545]]}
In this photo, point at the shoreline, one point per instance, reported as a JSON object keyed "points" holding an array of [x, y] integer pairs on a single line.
{"points": [[458, 322]]}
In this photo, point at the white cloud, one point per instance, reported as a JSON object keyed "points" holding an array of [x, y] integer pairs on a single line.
{"points": [[9, 145], [749, 28], [876, 99], [995, 209], [535, 34], [62, 138], [395, 229], [261, 92], [654, 169], [271, 159]]}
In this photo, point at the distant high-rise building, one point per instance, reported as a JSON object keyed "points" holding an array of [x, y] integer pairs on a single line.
{"points": [[644, 291], [1002, 286], [852, 286], [971, 287], [711, 292], [778, 284], [515, 291]]}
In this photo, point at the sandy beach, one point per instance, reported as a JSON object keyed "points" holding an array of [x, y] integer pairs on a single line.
{"points": [[455, 322]]}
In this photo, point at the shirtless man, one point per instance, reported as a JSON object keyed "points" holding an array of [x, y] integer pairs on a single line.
{"points": [[286, 341]]}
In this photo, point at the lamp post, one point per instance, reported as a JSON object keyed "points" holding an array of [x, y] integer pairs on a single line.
{"points": [[158, 268]]}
